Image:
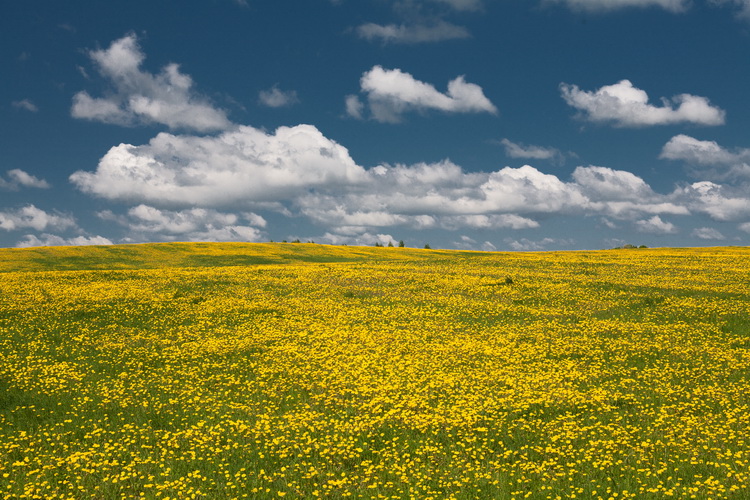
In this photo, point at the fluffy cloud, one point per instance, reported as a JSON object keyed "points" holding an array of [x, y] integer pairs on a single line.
{"points": [[139, 97], [243, 166], [296, 171], [276, 98], [391, 93], [49, 240], [18, 178], [655, 225], [720, 202], [606, 5], [31, 217], [409, 34], [624, 105], [728, 164]]}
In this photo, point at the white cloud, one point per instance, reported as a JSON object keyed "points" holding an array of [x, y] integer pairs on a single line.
{"points": [[727, 164], [276, 98], [624, 105], [31, 217], [606, 184], [655, 225], [49, 240], [200, 187], [606, 5], [707, 233], [745, 226], [25, 104], [19, 178], [391, 93], [517, 150], [239, 167], [720, 202], [408, 34], [139, 97]]}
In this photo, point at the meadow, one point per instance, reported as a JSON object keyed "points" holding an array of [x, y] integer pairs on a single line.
{"points": [[308, 371]]}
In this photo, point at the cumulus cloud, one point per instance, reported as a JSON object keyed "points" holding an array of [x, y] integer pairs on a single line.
{"points": [[391, 93], [276, 98], [720, 202], [139, 97], [31, 217], [745, 226], [187, 186], [655, 225], [49, 240], [239, 167], [437, 31], [25, 104], [726, 163], [608, 5], [624, 105], [17, 178], [517, 150], [707, 233]]}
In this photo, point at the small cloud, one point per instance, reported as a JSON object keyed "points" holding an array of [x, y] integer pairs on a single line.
{"points": [[391, 93], [745, 226], [411, 34], [624, 105], [18, 178], [25, 104], [354, 107], [517, 150], [526, 245], [276, 98], [707, 233], [655, 225]]}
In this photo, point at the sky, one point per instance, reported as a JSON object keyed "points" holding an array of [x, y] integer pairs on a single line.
{"points": [[462, 124]]}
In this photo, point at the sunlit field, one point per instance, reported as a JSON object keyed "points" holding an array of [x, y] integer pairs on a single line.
{"points": [[303, 370]]}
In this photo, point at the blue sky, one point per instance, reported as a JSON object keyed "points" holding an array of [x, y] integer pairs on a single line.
{"points": [[476, 124]]}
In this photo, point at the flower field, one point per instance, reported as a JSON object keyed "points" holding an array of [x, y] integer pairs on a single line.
{"points": [[304, 371]]}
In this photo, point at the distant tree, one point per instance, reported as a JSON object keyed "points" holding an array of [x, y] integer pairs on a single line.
{"points": [[427, 246], [401, 244], [378, 244], [297, 241], [390, 244]]}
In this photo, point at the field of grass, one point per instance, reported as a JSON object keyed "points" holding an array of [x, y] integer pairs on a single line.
{"points": [[303, 371]]}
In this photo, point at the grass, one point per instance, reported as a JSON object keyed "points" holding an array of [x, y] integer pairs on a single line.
{"points": [[302, 370]]}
